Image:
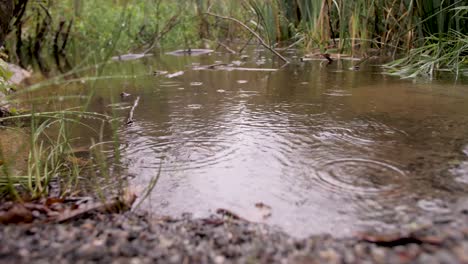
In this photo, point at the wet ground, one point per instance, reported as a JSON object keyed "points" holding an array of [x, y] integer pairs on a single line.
{"points": [[132, 238], [310, 148]]}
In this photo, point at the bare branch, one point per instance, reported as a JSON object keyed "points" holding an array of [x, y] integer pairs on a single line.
{"points": [[252, 32]]}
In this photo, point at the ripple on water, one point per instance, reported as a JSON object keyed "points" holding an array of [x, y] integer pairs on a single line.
{"points": [[359, 177], [170, 84], [337, 93], [362, 134], [120, 106], [194, 106], [191, 148]]}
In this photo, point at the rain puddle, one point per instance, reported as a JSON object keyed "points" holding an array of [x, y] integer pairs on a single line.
{"points": [[309, 148]]}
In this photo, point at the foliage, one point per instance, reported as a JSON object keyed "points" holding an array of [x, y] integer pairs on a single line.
{"points": [[71, 32], [75, 32], [448, 52], [50, 153], [4, 75], [371, 27]]}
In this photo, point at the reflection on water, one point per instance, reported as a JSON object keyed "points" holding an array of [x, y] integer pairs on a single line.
{"points": [[330, 150]]}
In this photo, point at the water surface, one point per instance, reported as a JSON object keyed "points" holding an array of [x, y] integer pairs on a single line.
{"points": [[327, 148]]}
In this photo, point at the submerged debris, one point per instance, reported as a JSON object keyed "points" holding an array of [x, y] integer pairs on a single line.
{"points": [[230, 67], [175, 74], [131, 56], [264, 209], [124, 94], [130, 114], [190, 52]]}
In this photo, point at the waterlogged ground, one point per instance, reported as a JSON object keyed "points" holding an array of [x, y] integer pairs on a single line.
{"points": [[310, 148]]}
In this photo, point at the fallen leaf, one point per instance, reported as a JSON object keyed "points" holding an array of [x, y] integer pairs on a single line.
{"points": [[115, 205], [53, 200], [228, 213], [18, 213]]}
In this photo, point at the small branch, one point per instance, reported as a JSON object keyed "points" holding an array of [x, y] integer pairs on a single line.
{"points": [[252, 32], [130, 115], [115, 205], [292, 45], [171, 23], [226, 47]]}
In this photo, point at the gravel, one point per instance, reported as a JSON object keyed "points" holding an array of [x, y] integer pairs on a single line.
{"points": [[138, 238]]}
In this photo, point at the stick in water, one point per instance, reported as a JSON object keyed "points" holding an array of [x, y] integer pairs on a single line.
{"points": [[130, 115]]}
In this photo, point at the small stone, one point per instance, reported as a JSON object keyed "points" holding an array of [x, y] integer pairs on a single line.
{"points": [[175, 259], [462, 252], [378, 255], [219, 259], [444, 256], [330, 256]]}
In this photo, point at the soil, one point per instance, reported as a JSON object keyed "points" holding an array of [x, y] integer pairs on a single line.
{"points": [[140, 238]]}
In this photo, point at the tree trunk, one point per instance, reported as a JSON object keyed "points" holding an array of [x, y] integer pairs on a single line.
{"points": [[6, 15]]}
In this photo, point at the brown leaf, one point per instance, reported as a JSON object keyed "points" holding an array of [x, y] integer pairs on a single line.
{"points": [[18, 213], [37, 207], [228, 213], [115, 205], [53, 200]]}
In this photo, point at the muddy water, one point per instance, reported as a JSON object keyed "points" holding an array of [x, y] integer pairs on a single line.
{"points": [[327, 148]]}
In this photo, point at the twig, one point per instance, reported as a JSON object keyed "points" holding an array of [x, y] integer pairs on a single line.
{"points": [[248, 41], [130, 115], [252, 32], [292, 45], [226, 47], [115, 205], [171, 23]]}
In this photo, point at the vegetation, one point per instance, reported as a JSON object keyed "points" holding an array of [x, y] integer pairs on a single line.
{"points": [[66, 33]]}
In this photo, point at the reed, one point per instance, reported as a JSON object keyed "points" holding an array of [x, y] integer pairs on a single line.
{"points": [[51, 155], [433, 31], [446, 52]]}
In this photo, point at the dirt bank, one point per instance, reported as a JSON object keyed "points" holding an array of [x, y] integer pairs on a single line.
{"points": [[138, 238]]}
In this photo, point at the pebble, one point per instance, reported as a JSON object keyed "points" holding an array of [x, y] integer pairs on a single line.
{"points": [[138, 238]]}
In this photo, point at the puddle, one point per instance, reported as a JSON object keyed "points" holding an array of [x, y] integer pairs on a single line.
{"points": [[324, 148]]}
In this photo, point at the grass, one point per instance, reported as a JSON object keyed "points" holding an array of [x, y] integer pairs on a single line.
{"points": [[431, 35], [445, 53], [51, 154], [91, 32], [49, 145]]}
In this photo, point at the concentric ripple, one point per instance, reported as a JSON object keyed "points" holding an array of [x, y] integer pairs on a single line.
{"points": [[359, 176]]}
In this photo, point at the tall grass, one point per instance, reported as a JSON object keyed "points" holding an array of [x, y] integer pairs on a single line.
{"points": [[48, 122], [63, 34], [446, 52], [51, 155], [360, 28], [432, 34]]}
